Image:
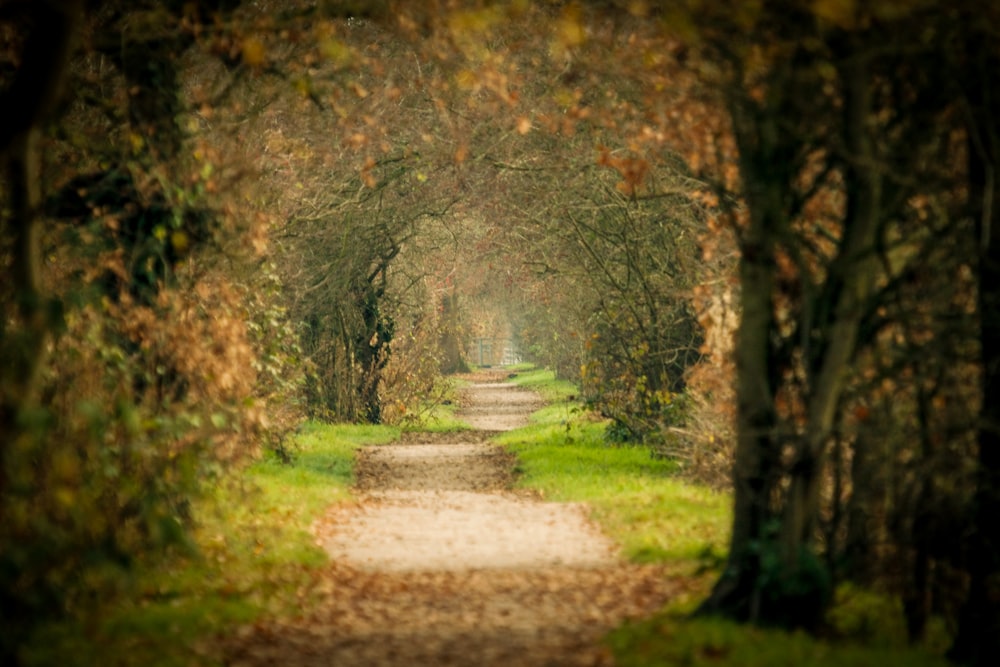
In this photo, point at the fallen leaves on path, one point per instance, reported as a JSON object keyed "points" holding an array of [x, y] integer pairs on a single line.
{"points": [[437, 563], [435, 467], [483, 618], [399, 531]]}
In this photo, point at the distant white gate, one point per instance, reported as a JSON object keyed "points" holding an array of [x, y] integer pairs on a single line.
{"points": [[486, 352]]}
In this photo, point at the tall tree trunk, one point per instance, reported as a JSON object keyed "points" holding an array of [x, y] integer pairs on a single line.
{"points": [[453, 357], [755, 469], [372, 349], [866, 510], [978, 639], [26, 324], [771, 521], [846, 291], [25, 105]]}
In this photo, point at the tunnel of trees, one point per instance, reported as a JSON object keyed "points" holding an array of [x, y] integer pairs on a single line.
{"points": [[757, 235]]}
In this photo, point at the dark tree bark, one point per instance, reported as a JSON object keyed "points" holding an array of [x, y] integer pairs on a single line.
{"points": [[866, 510], [774, 574], [453, 360], [29, 320], [372, 349], [24, 107], [756, 467], [978, 639]]}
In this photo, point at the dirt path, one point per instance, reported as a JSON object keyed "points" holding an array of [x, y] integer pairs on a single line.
{"points": [[440, 563]]}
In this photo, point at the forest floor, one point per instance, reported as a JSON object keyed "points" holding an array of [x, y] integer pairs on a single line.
{"points": [[440, 561]]}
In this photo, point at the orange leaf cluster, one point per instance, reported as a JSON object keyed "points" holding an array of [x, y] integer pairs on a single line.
{"points": [[633, 170]]}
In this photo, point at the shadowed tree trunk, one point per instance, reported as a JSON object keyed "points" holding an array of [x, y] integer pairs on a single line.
{"points": [[28, 318], [24, 107], [372, 351], [978, 639], [840, 305], [755, 471], [453, 357], [774, 574]]}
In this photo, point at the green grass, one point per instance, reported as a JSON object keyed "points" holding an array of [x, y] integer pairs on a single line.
{"points": [[438, 414], [255, 558], [439, 418], [658, 517], [637, 499], [544, 382], [672, 640]]}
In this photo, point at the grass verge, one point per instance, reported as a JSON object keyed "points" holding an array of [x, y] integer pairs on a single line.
{"points": [[254, 558], [545, 384], [658, 517], [671, 639], [638, 500]]}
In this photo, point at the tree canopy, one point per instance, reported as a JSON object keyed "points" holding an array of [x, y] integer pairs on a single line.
{"points": [[759, 236]]}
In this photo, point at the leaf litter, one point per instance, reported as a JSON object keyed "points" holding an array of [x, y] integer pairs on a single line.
{"points": [[439, 562]]}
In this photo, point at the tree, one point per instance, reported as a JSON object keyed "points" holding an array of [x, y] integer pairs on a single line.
{"points": [[29, 318], [590, 233], [978, 639], [29, 102], [824, 128], [127, 365], [354, 211]]}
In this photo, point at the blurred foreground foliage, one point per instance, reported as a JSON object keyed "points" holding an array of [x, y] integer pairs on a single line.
{"points": [[249, 556]]}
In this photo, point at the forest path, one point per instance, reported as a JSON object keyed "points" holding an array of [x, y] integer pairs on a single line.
{"points": [[439, 562]]}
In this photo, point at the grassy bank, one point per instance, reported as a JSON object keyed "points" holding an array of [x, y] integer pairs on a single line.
{"points": [[658, 517], [638, 500], [671, 640], [252, 557]]}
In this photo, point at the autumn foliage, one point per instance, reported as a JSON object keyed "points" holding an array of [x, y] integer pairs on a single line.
{"points": [[757, 234]]}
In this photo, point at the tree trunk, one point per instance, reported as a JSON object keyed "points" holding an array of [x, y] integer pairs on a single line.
{"points": [[737, 594], [843, 298], [28, 321], [23, 108], [774, 575], [866, 510], [453, 358], [372, 348], [978, 639]]}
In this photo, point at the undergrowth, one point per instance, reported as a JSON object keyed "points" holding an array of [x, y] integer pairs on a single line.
{"points": [[437, 413], [440, 418], [251, 557]]}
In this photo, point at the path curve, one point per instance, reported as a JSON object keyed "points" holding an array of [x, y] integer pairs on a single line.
{"points": [[440, 563]]}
